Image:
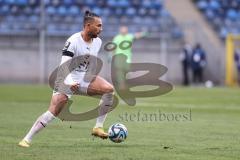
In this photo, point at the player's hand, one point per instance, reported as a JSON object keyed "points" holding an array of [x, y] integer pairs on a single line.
{"points": [[75, 87]]}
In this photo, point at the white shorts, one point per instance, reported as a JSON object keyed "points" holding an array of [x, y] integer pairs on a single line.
{"points": [[71, 79]]}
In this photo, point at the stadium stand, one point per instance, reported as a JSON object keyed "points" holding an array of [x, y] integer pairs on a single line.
{"points": [[20, 27], [64, 17], [223, 15]]}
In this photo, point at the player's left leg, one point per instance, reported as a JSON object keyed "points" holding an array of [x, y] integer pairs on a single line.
{"points": [[100, 86]]}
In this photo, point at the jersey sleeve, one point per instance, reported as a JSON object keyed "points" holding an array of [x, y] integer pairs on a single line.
{"points": [[69, 48], [65, 59], [115, 40], [99, 44], [131, 37]]}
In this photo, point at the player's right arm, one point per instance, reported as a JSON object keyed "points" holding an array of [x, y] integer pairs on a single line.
{"points": [[67, 54], [67, 51]]}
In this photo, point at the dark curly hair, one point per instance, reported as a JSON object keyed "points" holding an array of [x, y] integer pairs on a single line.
{"points": [[89, 16]]}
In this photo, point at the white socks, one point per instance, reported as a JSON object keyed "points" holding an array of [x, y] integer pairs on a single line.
{"points": [[106, 103], [40, 123]]}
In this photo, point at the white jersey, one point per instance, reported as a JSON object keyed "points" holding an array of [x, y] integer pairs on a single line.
{"points": [[75, 46]]}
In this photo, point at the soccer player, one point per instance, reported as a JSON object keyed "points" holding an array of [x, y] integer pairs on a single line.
{"points": [[125, 39], [83, 43]]}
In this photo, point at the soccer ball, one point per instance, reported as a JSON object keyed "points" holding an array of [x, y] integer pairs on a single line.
{"points": [[117, 133]]}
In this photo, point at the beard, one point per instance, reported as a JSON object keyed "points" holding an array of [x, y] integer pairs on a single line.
{"points": [[92, 35]]}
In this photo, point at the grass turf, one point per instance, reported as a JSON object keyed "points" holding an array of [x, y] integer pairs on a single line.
{"points": [[195, 123]]}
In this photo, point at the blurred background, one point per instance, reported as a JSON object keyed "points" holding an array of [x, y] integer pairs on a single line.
{"points": [[196, 39]]}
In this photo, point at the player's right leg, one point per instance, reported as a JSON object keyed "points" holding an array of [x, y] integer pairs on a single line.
{"points": [[58, 101], [99, 86]]}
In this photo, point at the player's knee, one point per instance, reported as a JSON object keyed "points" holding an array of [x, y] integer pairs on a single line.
{"points": [[63, 100], [60, 100], [108, 89], [57, 103]]}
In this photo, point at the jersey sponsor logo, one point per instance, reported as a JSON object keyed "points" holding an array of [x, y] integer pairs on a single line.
{"points": [[83, 66]]}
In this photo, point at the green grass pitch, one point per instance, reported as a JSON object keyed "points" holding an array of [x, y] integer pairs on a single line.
{"points": [[199, 123]]}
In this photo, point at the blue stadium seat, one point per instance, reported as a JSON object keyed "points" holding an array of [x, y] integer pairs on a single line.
{"points": [[34, 2], [202, 4], [209, 14], [157, 4], [51, 28], [33, 19], [68, 2], [22, 2], [164, 13], [28, 10], [10, 2], [137, 19], [147, 4], [47, 2], [153, 12], [136, 3], [224, 15], [50, 10], [214, 5], [232, 14], [4, 10], [36, 10], [142, 11], [90, 3], [21, 18], [112, 3], [14, 10], [131, 12], [106, 12], [74, 11], [119, 12], [100, 3], [62, 10], [64, 16], [97, 10], [68, 19], [223, 32], [55, 2], [123, 3], [4, 27]]}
